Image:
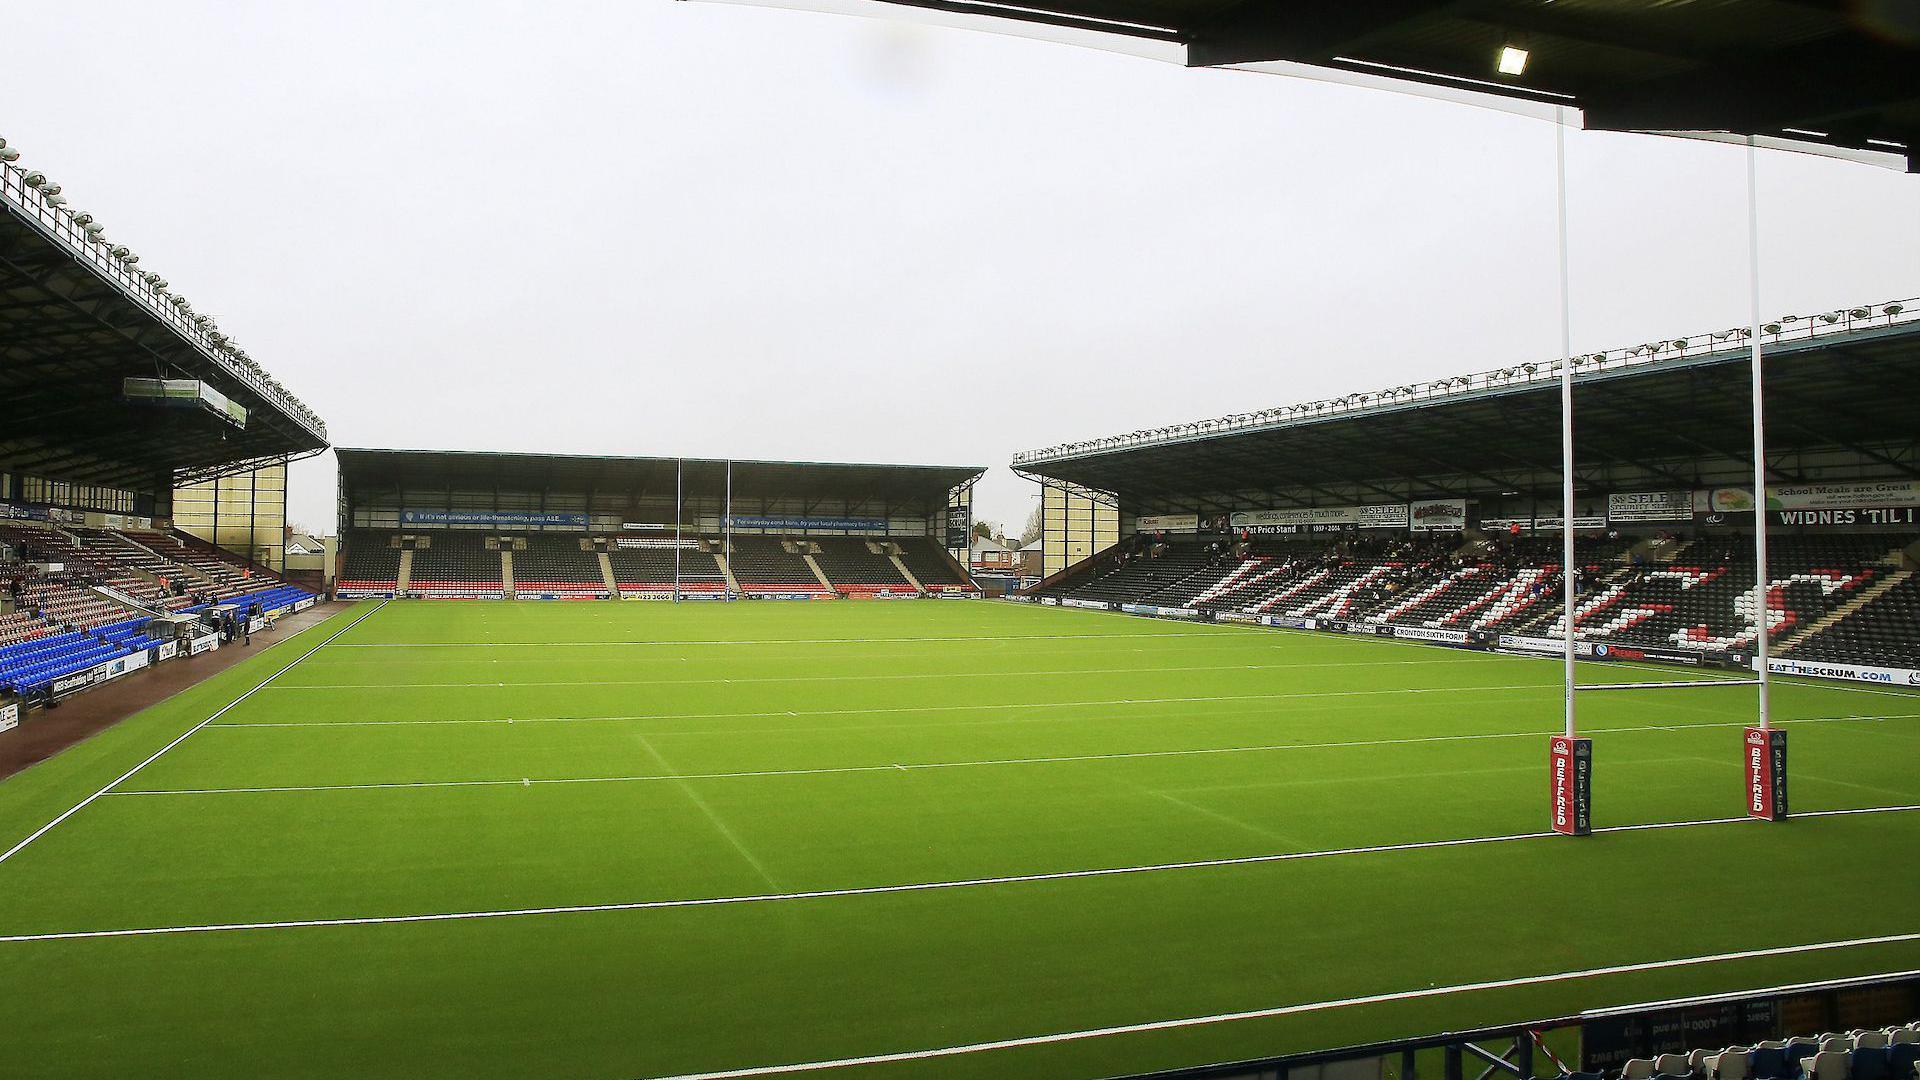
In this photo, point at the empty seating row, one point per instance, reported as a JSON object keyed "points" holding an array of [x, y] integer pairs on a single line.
{"points": [[457, 565], [763, 566], [555, 565], [649, 566], [35, 666], [1886, 1054], [1702, 598], [929, 562], [856, 569]]}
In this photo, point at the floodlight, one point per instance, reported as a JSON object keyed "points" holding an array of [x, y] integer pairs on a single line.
{"points": [[94, 229], [1772, 328], [82, 218], [1894, 309], [34, 179], [1859, 313], [1513, 60], [8, 153], [54, 200]]}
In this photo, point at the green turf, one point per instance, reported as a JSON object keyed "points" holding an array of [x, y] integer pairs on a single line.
{"points": [[766, 748]]}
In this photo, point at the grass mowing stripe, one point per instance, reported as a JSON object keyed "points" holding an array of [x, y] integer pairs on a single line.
{"points": [[1291, 1010], [928, 886], [912, 766], [182, 737]]}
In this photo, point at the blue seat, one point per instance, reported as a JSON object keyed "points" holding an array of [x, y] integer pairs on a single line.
{"points": [[1872, 1063], [1772, 1063]]}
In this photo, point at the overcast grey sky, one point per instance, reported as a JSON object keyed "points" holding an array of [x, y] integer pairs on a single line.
{"points": [[679, 228]]}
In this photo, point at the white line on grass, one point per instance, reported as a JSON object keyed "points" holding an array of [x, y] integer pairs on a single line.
{"points": [[916, 887], [1536, 687], [885, 677], [897, 767], [1770, 991], [997, 638], [83, 803], [1291, 1010]]}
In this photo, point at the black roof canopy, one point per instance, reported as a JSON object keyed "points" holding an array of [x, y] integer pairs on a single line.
{"points": [[369, 470], [1826, 71], [1840, 405], [74, 323]]}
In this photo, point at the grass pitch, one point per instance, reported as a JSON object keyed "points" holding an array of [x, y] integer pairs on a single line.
{"points": [[600, 841]]}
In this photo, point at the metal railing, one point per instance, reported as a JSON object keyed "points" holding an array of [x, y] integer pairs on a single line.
{"points": [[60, 225], [1670, 350]]}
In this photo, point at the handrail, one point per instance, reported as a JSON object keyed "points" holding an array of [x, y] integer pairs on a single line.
{"points": [[1665, 351], [58, 223]]}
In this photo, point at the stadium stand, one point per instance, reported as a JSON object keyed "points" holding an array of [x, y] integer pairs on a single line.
{"points": [[1700, 598], [457, 566], [1885, 631], [370, 567], [1891, 1053], [855, 570], [555, 565], [930, 564], [644, 567], [763, 566]]}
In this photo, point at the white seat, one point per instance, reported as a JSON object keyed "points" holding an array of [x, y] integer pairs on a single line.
{"points": [[1672, 1064], [1868, 1040], [1827, 1065], [1733, 1063], [1636, 1069]]}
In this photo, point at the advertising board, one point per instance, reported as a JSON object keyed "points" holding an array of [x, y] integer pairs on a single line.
{"points": [[1642, 506], [1167, 523], [508, 518], [1884, 676], [1727, 500], [1438, 515]]}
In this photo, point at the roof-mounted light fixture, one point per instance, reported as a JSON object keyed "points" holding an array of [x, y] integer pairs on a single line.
{"points": [[1513, 60]]}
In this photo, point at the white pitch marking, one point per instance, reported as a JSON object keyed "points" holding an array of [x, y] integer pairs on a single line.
{"points": [[767, 641], [907, 766], [882, 890], [83, 803], [1290, 1010], [887, 677], [1537, 687]]}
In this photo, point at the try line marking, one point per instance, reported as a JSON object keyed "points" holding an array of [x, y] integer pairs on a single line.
{"points": [[1292, 1010], [83, 803], [914, 887], [911, 766]]}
